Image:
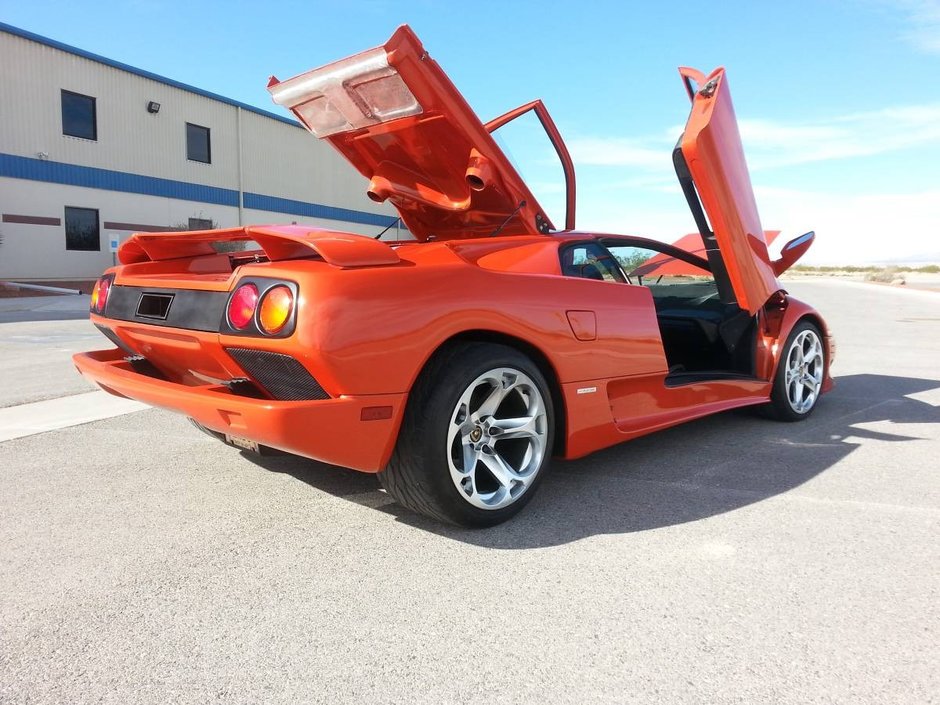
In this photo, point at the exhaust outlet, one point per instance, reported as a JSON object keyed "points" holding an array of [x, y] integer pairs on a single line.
{"points": [[479, 172], [379, 189]]}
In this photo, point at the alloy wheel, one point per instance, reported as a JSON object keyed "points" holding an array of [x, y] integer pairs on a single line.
{"points": [[497, 438], [804, 371]]}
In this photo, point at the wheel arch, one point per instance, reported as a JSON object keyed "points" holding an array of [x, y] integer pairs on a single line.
{"points": [[795, 312], [538, 357], [813, 317]]}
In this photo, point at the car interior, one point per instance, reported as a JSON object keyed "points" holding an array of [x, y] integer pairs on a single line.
{"points": [[703, 337]]}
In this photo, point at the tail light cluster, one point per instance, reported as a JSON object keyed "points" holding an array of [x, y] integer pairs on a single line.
{"points": [[276, 309], [242, 306], [99, 295], [262, 306]]}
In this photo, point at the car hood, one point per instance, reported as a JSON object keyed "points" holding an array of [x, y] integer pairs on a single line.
{"points": [[394, 114]]}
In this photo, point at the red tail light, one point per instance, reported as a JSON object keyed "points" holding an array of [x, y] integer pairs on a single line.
{"points": [[99, 296], [242, 305]]}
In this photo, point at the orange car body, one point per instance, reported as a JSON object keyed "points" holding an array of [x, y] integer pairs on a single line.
{"points": [[369, 315]]}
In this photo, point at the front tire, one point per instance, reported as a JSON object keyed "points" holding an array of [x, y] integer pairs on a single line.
{"points": [[800, 373], [476, 437]]}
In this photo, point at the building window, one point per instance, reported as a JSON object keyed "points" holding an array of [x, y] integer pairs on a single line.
{"points": [[201, 224], [78, 116], [81, 229], [197, 144]]}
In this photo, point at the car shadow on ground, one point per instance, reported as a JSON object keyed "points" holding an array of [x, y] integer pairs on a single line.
{"points": [[690, 472]]}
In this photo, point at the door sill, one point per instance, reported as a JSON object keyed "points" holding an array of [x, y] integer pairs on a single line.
{"points": [[678, 379]]}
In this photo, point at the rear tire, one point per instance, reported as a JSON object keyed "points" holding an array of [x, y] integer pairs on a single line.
{"points": [[476, 437], [800, 374]]}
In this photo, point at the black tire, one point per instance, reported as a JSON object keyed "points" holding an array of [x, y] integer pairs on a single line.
{"points": [[419, 474], [781, 406]]}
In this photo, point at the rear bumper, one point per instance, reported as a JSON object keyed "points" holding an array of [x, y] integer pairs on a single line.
{"points": [[355, 432]]}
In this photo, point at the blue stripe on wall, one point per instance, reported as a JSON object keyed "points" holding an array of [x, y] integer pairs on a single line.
{"points": [[90, 177], [16, 167], [314, 210], [17, 32]]}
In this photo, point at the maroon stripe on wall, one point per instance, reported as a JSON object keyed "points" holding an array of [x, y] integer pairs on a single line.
{"points": [[138, 227], [30, 219]]}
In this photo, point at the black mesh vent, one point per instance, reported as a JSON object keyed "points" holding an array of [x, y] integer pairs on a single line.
{"points": [[283, 377]]}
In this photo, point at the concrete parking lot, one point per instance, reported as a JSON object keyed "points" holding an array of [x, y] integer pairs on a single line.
{"points": [[733, 559]]}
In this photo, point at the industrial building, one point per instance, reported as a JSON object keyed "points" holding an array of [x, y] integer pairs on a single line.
{"points": [[92, 150]]}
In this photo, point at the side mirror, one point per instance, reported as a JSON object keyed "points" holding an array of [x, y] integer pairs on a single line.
{"points": [[792, 251]]}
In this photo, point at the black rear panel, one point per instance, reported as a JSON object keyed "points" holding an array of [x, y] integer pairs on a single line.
{"points": [[185, 308]]}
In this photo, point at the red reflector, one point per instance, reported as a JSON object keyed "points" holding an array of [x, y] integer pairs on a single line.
{"points": [[375, 413], [242, 305], [101, 300]]}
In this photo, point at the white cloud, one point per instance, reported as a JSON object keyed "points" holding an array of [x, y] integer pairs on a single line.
{"points": [[771, 143], [922, 18], [870, 228], [617, 151]]}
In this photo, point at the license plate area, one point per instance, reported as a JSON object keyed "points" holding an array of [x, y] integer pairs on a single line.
{"points": [[155, 306], [243, 443]]}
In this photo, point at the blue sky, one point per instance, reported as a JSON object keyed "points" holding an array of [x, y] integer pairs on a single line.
{"points": [[838, 102]]}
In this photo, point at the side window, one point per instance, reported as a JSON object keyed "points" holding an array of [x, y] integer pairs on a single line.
{"points": [[81, 229], [79, 117], [198, 148], [663, 274], [590, 261], [201, 224]]}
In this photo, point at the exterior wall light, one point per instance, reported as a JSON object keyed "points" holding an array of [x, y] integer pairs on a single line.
{"points": [[153, 107]]}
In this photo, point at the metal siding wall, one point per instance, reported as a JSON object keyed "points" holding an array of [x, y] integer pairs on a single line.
{"points": [[287, 174], [129, 138], [278, 159], [289, 162], [38, 251], [261, 217], [91, 177]]}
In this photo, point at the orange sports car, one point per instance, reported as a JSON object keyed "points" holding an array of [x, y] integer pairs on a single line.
{"points": [[456, 363]]}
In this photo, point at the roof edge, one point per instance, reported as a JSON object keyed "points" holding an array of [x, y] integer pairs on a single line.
{"points": [[39, 39]]}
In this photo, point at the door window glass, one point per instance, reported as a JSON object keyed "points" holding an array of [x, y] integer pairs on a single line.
{"points": [[662, 273], [590, 261]]}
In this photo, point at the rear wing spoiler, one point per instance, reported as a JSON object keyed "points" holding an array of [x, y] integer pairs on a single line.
{"points": [[278, 242]]}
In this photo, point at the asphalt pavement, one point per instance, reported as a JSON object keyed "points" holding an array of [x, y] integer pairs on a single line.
{"points": [[730, 560]]}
